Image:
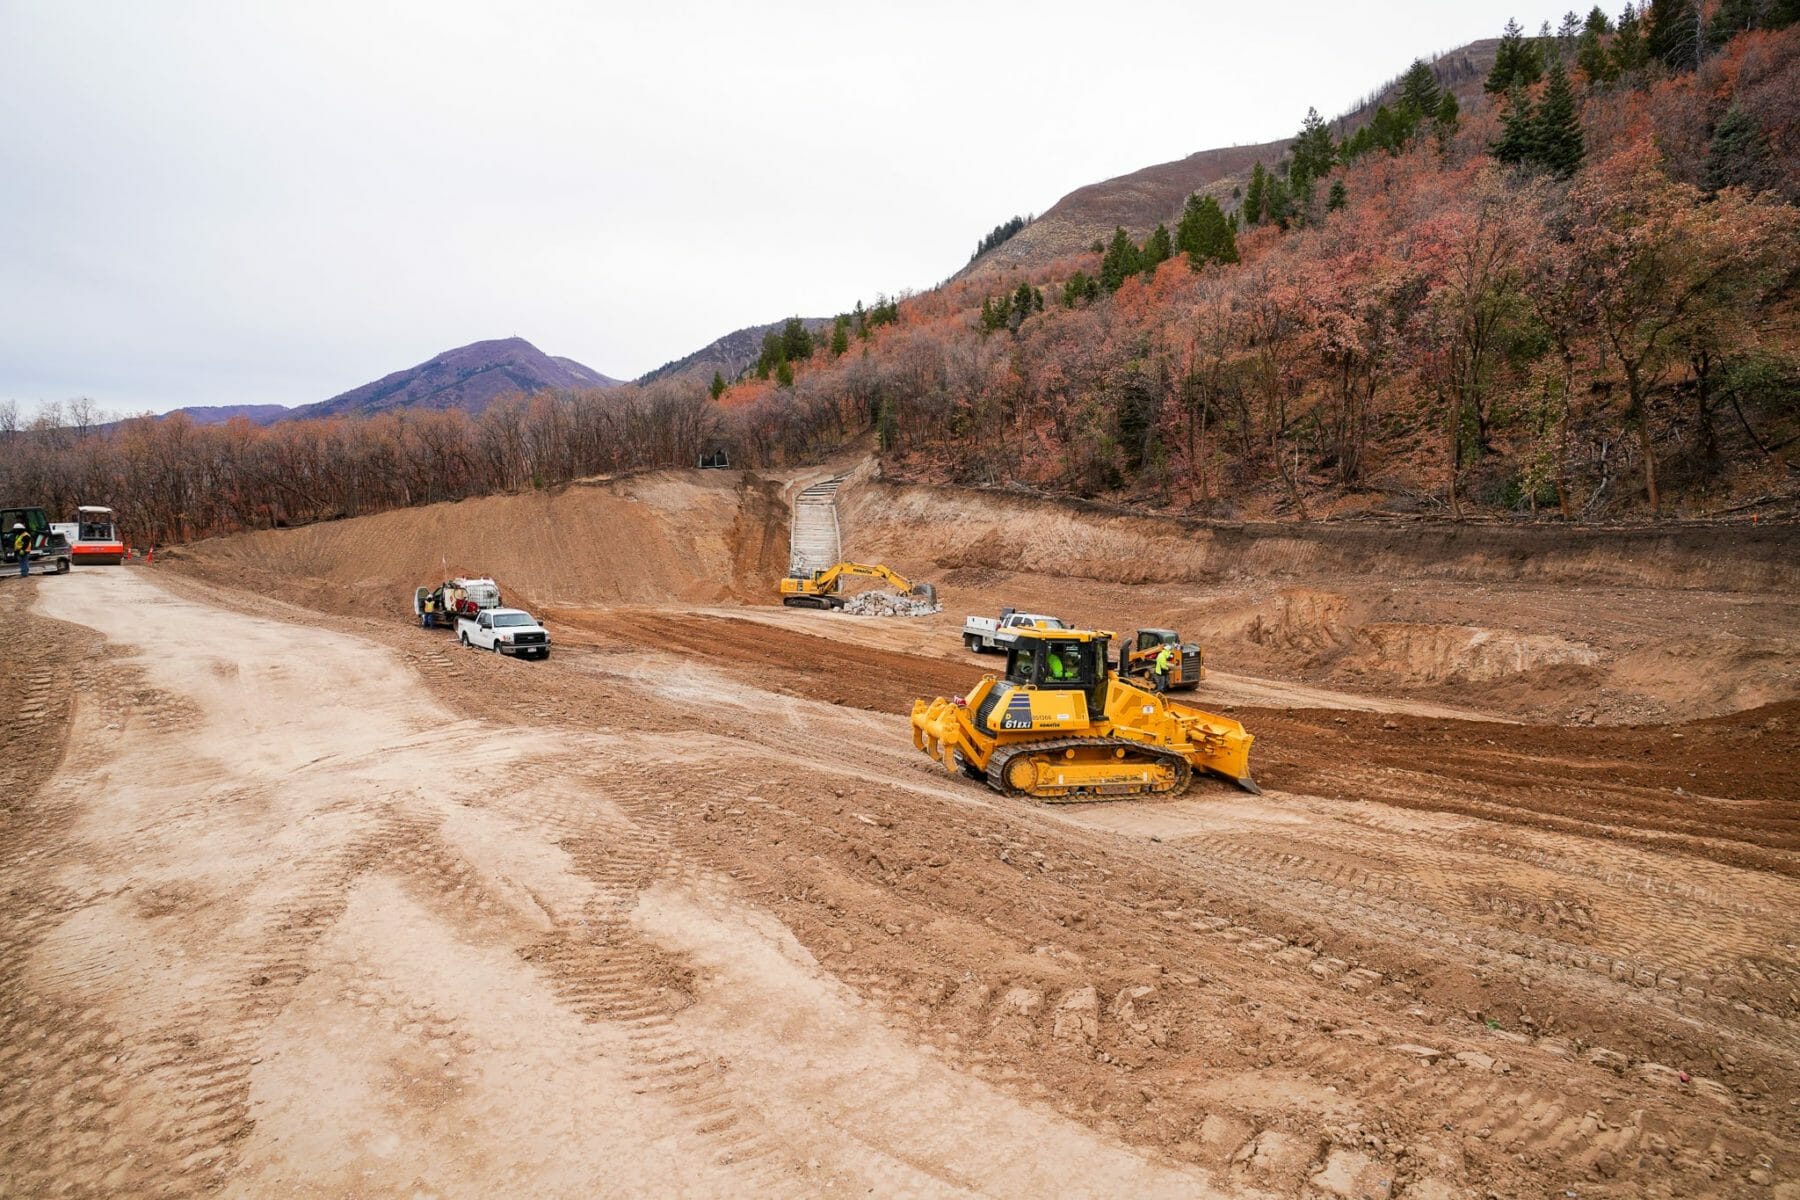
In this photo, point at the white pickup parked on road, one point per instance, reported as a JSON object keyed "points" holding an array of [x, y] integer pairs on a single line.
{"points": [[504, 631], [986, 633]]}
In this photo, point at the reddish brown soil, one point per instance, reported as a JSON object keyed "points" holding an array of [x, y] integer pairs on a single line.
{"points": [[766, 946]]}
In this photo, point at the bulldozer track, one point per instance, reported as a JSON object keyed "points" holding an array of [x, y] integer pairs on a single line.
{"points": [[1003, 755]]}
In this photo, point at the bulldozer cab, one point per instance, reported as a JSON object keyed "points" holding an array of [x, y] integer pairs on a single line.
{"points": [[1151, 639], [1061, 663]]}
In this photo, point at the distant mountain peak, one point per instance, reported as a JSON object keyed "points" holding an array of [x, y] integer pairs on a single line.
{"points": [[468, 377]]}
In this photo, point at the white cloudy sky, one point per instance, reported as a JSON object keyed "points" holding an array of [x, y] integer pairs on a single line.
{"points": [[240, 202]]}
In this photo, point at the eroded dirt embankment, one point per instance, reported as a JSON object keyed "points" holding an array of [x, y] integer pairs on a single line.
{"points": [[1543, 622], [696, 537], [965, 527]]}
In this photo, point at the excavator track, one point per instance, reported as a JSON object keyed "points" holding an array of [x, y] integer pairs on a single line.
{"points": [[1097, 771], [812, 602]]}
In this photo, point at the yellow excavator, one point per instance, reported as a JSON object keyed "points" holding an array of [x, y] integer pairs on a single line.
{"points": [[1062, 726], [820, 589]]}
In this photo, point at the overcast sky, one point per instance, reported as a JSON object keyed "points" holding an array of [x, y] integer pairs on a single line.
{"points": [[239, 202]]}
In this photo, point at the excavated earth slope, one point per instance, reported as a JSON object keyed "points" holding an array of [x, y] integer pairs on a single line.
{"points": [[302, 898]]}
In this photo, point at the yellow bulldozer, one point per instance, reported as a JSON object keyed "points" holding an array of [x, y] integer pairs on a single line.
{"points": [[820, 589], [1062, 726]]}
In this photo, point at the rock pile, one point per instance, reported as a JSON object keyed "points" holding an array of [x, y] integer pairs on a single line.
{"points": [[889, 604]]}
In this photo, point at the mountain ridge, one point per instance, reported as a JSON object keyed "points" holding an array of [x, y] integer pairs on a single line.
{"points": [[1139, 199]]}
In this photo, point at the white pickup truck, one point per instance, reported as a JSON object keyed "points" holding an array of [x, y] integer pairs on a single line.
{"points": [[504, 631], [986, 633]]}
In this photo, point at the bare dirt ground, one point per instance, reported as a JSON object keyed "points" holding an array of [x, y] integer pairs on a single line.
{"points": [[306, 902]]}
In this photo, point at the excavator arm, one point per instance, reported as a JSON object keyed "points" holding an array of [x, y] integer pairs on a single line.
{"points": [[829, 577]]}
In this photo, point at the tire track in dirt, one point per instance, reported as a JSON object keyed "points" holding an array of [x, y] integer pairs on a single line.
{"points": [[593, 959], [1333, 937]]}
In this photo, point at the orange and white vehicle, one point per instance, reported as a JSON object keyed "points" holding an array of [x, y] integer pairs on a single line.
{"points": [[93, 537]]}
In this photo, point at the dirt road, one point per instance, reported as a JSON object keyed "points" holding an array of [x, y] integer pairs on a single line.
{"points": [[280, 923], [328, 906]]}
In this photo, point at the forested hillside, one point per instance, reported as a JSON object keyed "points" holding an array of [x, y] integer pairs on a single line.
{"points": [[1578, 301], [1575, 299]]}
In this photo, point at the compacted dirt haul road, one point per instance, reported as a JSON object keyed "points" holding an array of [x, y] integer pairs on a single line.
{"points": [[301, 899]]}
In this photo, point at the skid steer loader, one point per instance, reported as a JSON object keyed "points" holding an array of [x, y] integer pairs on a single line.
{"points": [[1062, 726], [1137, 659]]}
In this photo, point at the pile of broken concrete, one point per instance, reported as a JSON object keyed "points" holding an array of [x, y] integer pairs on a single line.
{"points": [[889, 604]]}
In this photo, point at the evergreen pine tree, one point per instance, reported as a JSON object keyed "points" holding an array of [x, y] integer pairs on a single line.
{"points": [[1278, 206], [717, 387], [987, 315], [1445, 121], [1567, 32], [1340, 196], [1557, 139], [1156, 250], [1021, 304], [1591, 54], [1517, 144], [1739, 155], [1385, 129], [1419, 90], [1037, 299], [1629, 52], [1187, 230], [1731, 18], [1204, 234], [1254, 198], [840, 335], [1120, 262], [1313, 152], [1597, 23], [796, 342], [1500, 76], [861, 320], [784, 374], [1671, 34], [772, 354], [1515, 61]]}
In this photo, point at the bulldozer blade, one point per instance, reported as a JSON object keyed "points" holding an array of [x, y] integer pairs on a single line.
{"points": [[1249, 785]]}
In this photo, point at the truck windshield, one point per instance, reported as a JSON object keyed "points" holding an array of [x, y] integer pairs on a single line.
{"points": [[508, 620]]}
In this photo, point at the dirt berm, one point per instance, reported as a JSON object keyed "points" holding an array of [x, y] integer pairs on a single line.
{"points": [[694, 537]]}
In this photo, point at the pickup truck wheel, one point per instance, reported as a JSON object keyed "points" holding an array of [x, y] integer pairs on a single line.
{"points": [[495, 647], [972, 642], [463, 638]]}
